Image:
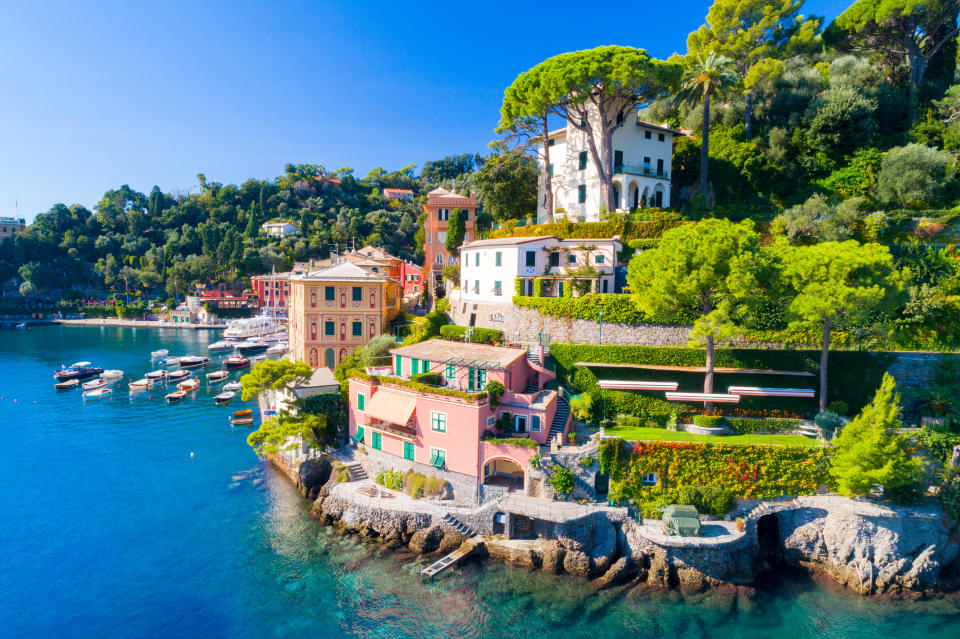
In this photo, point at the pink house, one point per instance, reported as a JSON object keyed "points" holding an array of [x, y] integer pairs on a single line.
{"points": [[440, 431]]}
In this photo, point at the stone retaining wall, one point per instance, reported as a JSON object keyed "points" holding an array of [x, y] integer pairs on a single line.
{"points": [[374, 461]]}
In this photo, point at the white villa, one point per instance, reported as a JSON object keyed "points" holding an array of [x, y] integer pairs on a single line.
{"points": [[280, 229], [642, 164], [493, 271]]}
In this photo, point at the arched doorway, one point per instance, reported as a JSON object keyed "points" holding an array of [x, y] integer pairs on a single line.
{"points": [[616, 195], [503, 472], [329, 359], [635, 196], [658, 195]]}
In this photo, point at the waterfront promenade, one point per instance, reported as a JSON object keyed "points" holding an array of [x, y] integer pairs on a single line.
{"points": [[136, 323]]}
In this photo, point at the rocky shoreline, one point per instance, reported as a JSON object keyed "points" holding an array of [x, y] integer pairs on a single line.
{"points": [[875, 550]]}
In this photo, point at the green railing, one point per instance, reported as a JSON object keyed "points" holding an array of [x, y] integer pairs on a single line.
{"points": [[633, 169]]}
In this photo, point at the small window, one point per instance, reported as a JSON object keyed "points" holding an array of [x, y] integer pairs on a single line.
{"points": [[606, 287], [531, 258], [554, 259], [408, 450], [438, 457], [650, 479], [451, 371], [357, 293], [358, 329], [377, 441], [572, 259], [582, 160], [551, 169], [648, 135], [438, 421], [646, 160], [428, 237], [491, 421], [466, 218], [396, 365], [361, 401], [551, 142], [535, 423], [476, 258], [497, 288], [498, 259], [329, 328], [599, 259], [582, 193]]}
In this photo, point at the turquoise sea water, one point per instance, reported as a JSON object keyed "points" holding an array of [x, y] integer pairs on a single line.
{"points": [[109, 528]]}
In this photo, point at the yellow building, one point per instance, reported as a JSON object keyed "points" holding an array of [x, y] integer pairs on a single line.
{"points": [[335, 310], [10, 226]]}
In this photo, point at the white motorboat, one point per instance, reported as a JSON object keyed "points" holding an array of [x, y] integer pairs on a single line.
{"points": [[159, 353], [178, 376], [169, 361], [96, 393], [252, 346], [113, 373], [157, 374], [94, 383], [232, 386], [220, 346], [217, 376], [247, 327], [224, 398], [189, 385], [279, 348], [193, 361], [140, 385]]}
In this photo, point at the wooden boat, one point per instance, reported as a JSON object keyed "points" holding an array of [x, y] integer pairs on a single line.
{"points": [[189, 385], [177, 376], [157, 374], [96, 393], [217, 376], [193, 361], [176, 396], [94, 383], [233, 386], [70, 383], [112, 374], [236, 361], [159, 353], [140, 384], [224, 398], [242, 417]]}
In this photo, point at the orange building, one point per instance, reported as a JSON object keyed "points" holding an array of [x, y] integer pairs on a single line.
{"points": [[337, 309], [438, 207]]}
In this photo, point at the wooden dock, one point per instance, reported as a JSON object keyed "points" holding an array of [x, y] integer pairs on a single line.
{"points": [[464, 550]]}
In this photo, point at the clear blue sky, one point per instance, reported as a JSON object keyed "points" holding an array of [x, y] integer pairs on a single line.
{"points": [[98, 94]]}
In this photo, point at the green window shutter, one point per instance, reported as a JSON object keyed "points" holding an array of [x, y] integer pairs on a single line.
{"points": [[481, 378], [359, 436], [377, 441], [396, 365], [357, 329], [451, 371], [414, 366], [361, 401], [582, 193], [357, 293], [535, 423], [498, 260], [582, 160], [471, 378], [476, 258], [424, 366], [329, 328], [408, 450], [329, 293]]}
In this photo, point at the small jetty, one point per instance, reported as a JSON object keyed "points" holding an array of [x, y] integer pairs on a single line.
{"points": [[464, 550]]}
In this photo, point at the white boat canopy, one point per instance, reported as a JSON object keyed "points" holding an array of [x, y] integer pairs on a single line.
{"points": [[703, 397], [629, 384], [755, 391]]}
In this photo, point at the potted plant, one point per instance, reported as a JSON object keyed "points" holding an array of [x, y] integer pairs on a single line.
{"points": [[741, 524], [572, 437]]}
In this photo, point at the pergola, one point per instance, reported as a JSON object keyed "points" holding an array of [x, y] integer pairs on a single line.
{"points": [[754, 391], [718, 398], [626, 384]]}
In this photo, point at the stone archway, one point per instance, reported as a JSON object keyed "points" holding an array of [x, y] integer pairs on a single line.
{"points": [[634, 195], [504, 472]]}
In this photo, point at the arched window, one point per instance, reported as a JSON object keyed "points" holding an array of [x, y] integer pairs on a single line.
{"points": [[343, 299], [313, 330], [373, 299], [313, 299], [343, 331], [329, 359], [373, 328]]}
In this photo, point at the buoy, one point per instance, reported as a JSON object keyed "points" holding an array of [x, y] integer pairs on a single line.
{"points": [[14, 401], [191, 454]]}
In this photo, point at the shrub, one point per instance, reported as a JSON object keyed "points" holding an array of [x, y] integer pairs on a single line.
{"points": [[561, 480], [633, 421], [582, 407], [343, 475], [626, 229], [522, 442], [536, 461], [939, 444], [859, 177], [477, 335], [434, 486], [376, 352], [392, 479], [828, 421], [843, 123], [950, 493], [913, 176], [709, 500], [587, 462], [838, 407], [431, 378], [495, 391], [709, 421], [617, 309], [747, 425]]}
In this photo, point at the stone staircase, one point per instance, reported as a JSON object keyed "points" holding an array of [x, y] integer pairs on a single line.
{"points": [[458, 525], [534, 356], [559, 418], [357, 473], [533, 386]]}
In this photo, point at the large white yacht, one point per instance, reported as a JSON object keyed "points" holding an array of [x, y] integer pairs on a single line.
{"points": [[266, 328]]}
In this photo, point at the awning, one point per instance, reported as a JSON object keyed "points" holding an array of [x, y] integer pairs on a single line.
{"points": [[438, 459], [623, 384], [703, 397], [393, 408], [359, 436]]}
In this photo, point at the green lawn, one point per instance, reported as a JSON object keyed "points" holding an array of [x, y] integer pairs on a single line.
{"points": [[664, 435]]}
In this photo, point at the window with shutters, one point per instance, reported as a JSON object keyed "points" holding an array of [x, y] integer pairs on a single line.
{"points": [[582, 160], [357, 293]]}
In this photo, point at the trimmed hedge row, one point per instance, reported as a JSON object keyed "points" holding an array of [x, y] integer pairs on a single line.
{"points": [[478, 336], [618, 309], [747, 425], [854, 376], [626, 229], [423, 388]]}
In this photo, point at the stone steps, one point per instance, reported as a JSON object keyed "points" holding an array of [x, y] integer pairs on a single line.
{"points": [[458, 525], [559, 418], [357, 473]]}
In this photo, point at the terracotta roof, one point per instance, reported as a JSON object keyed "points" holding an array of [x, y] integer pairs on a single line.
{"points": [[441, 350]]}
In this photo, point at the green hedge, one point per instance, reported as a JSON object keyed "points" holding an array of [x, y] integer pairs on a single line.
{"points": [[854, 376], [748, 425], [423, 388], [618, 309], [626, 229], [521, 442], [709, 421], [431, 378], [478, 336]]}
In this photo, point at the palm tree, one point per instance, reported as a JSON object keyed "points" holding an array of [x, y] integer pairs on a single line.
{"points": [[702, 79]]}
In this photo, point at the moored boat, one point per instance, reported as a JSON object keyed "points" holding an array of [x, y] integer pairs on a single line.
{"points": [[175, 396], [70, 383], [252, 346], [112, 374], [279, 348], [96, 393], [242, 418], [232, 386], [236, 361], [193, 361], [169, 361], [79, 371], [220, 346], [157, 374], [177, 376], [94, 383], [217, 376], [159, 353], [189, 385], [224, 398], [140, 385]]}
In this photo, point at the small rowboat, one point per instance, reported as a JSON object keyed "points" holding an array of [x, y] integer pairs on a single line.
{"points": [[235, 361], [112, 374], [189, 385], [140, 385], [157, 374], [193, 361], [217, 376], [94, 383], [177, 376], [224, 398], [232, 386], [71, 383], [176, 396], [169, 361], [242, 418], [96, 393], [159, 353]]}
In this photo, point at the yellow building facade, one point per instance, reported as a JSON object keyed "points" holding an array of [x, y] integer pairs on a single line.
{"points": [[337, 309]]}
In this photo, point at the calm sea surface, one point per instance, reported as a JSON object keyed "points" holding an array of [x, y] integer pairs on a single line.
{"points": [[109, 528]]}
